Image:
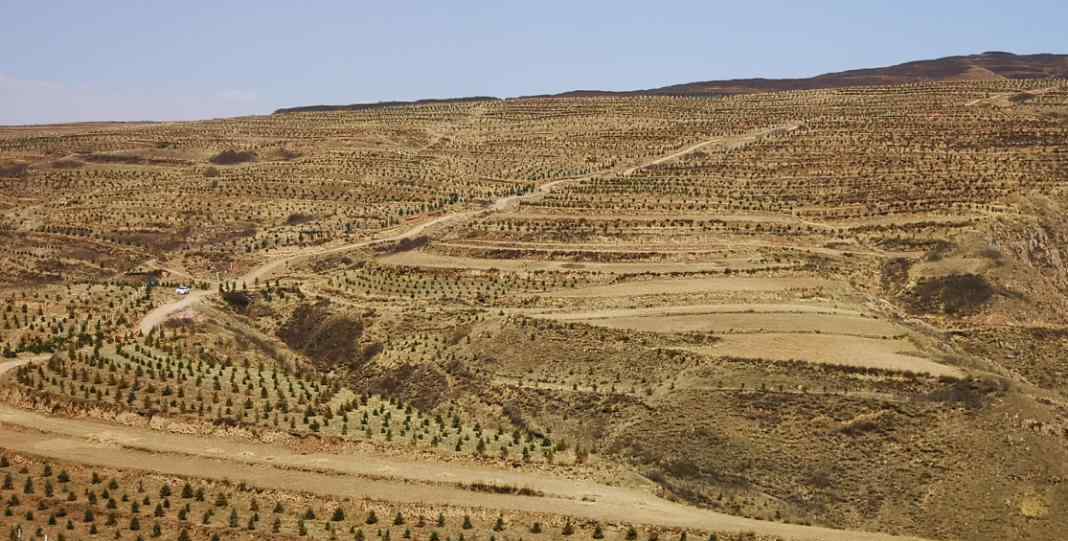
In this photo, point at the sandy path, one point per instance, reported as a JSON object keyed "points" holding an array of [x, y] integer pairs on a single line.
{"points": [[727, 142], [266, 270], [358, 475], [161, 313]]}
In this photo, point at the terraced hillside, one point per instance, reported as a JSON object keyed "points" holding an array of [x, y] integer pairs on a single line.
{"points": [[819, 314]]}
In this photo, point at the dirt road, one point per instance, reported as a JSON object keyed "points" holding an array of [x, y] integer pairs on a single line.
{"points": [[161, 313], [361, 475], [728, 142], [266, 270]]}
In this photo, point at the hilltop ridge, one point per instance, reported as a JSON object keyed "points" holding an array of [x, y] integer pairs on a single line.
{"points": [[989, 65]]}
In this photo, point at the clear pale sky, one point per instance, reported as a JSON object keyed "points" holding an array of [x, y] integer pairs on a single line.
{"points": [[132, 60]]}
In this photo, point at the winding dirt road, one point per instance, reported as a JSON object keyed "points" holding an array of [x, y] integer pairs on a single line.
{"points": [[266, 270], [726, 141]]}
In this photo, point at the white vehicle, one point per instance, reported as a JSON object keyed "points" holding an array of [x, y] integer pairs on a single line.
{"points": [[183, 290]]}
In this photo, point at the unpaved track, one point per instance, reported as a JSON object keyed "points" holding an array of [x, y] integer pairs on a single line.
{"points": [[264, 271], [358, 475], [161, 313], [728, 142]]}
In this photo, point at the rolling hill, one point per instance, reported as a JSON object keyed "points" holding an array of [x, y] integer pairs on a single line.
{"points": [[986, 66], [991, 65]]}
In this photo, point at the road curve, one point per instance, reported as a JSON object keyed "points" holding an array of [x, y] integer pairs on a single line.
{"points": [[264, 271]]}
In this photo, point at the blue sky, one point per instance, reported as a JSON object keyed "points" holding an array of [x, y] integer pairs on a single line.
{"points": [[128, 60]]}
